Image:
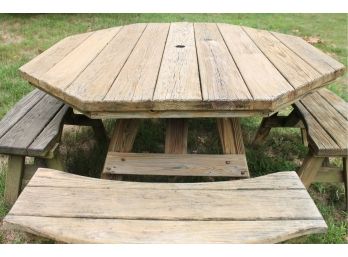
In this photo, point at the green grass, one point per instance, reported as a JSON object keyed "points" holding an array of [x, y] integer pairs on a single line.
{"points": [[24, 36]]}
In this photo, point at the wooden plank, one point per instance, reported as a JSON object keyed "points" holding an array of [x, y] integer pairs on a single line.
{"points": [[137, 79], [158, 204], [176, 164], [329, 174], [220, 77], [13, 179], [176, 136], [175, 114], [286, 180], [265, 81], [299, 73], [37, 67], [61, 75], [29, 127], [19, 110], [231, 137], [327, 116], [345, 178], [95, 81], [49, 135], [313, 56], [178, 78], [338, 103], [150, 231], [321, 142]]}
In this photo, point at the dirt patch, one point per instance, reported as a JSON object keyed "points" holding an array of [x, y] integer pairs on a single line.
{"points": [[8, 38]]}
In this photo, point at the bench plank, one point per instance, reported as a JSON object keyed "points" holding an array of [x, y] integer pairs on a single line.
{"points": [[46, 139], [331, 120], [19, 110], [23, 133], [338, 103], [157, 212], [149, 231], [176, 164]]}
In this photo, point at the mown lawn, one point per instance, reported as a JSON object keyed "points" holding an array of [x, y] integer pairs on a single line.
{"points": [[24, 36]]}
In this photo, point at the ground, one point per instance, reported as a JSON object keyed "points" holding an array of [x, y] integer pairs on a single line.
{"points": [[24, 36]]}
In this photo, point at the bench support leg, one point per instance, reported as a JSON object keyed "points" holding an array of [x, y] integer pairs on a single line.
{"points": [[14, 178], [55, 162], [345, 177], [122, 140], [262, 132], [309, 169]]}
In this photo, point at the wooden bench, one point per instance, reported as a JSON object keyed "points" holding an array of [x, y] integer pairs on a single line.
{"points": [[322, 117], [33, 128], [75, 209]]}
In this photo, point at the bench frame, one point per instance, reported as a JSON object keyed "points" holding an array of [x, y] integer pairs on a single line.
{"points": [[19, 173], [314, 168]]}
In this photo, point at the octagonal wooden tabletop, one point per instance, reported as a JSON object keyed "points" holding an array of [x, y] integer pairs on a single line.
{"points": [[180, 70]]}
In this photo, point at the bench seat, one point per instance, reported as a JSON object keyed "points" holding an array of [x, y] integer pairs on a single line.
{"points": [[323, 119], [32, 126], [75, 209]]}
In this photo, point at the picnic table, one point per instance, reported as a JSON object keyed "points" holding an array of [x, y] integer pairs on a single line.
{"points": [[179, 71]]}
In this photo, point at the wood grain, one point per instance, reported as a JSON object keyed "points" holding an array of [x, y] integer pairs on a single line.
{"points": [[176, 164], [164, 211], [149, 231], [61, 75], [178, 78], [176, 136], [96, 80], [265, 81], [220, 77]]}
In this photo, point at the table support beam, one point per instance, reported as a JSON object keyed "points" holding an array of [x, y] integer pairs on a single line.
{"points": [[231, 135], [122, 140], [176, 136]]}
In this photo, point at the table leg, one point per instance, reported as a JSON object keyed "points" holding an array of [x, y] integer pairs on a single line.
{"points": [[122, 139], [231, 135], [176, 136]]}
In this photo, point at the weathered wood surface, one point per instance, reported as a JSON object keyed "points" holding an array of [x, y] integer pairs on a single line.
{"points": [[176, 136], [189, 68], [176, 164], [14, 176], [33, 126], [267, 209], [325, 117]]}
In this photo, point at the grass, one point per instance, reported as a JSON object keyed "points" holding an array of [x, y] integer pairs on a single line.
{"points": [[24, 36]]}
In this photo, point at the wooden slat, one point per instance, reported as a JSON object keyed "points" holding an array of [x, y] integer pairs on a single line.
{"points": [[149, 231], [264, 82], [338, 103], [176, 164], [276, 181], [321, 142], [299, 73], [330, 174], [37, 67], [220, 78], [178, 78], [158, 204], [95, 81], [48, 137], [332, 121], [137, 79], [316, 58], [61, 75], [23, 133], [19, 110]]}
